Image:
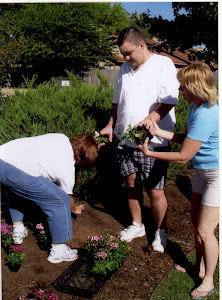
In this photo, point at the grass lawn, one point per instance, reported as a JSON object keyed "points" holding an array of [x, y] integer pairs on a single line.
{"points": [[176, 285]]}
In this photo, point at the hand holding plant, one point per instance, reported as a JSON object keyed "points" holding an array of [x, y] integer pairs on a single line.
{"points": [[135, 135]]}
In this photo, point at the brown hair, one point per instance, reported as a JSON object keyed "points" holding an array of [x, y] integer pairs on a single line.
{"points": [[131, 35], [198, 79], [85, 149]]}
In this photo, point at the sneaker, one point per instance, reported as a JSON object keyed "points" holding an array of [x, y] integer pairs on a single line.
{"points": [[18, 234], [62, 254], [132, 232], [160, 241]]}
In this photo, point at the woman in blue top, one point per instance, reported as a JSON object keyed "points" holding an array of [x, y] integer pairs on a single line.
{"points": [[201, 144]]}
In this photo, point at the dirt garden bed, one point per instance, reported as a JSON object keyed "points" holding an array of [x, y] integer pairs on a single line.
{"points": [[141, 271]]}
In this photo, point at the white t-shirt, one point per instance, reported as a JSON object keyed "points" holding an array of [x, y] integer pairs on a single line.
{"points": [[138, 93], [49, 155]]}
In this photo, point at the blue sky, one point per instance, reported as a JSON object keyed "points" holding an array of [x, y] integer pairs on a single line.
{"points": [[163, 9]]}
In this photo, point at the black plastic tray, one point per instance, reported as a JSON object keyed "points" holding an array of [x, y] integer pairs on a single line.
{"points": [[77, 279]]}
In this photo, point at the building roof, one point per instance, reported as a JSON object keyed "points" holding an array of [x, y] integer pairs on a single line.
{"points": [[179, 58]]}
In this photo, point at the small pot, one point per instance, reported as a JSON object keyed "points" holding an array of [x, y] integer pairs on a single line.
{"points": [[13, 268]]}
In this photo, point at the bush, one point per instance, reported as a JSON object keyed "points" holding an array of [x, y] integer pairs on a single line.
{"points": [[80, 108], [50, 109]]}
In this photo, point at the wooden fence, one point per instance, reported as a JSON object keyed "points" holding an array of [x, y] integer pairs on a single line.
{"points": [[110, 74]]}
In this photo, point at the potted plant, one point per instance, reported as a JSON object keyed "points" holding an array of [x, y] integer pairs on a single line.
{"points": [[107, 252], [14, 257], [6, 236], [41, 237]]}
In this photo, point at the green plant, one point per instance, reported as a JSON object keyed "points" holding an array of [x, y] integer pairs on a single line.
{"points": [[6, 234], [41, 234], [101, 139], [29, 83], [108, 252], [15, 255], [135, 135]]}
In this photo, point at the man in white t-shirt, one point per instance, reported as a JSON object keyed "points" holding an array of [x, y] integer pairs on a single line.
{"points": [[146, 89], [42, 169]]}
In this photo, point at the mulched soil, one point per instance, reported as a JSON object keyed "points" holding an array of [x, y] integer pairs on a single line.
{"points": [[142, 270]]}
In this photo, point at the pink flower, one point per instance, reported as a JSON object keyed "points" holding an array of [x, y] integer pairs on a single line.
{"points": [[103, 255], [40, 226], [2, 220], [42, 232], [16, 248], [40, 293], [4, 229], [97, 254], [90, 238], [96, 238]]}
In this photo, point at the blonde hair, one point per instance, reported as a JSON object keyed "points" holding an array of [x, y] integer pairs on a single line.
{"points": [[85, 149], [198, 79]]}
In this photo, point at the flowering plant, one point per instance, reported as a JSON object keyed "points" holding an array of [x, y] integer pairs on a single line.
{"points": [[6, 234], [108, 252], [41, 295], [15, 255], [41, 234]]}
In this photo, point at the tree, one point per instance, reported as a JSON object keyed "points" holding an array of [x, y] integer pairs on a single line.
{"points": [[46, 39], [198, 25]]}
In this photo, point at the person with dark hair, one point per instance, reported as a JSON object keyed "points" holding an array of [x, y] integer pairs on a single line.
{"points": [[146, 88], [200, 143], [42, 169]]}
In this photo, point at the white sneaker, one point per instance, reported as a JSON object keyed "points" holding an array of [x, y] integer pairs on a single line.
{"points": [[58, 255], [160, 241], [19, 232], [132, 232]]}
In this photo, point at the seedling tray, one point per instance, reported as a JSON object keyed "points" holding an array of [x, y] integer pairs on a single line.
{"points": [[77, 279]]}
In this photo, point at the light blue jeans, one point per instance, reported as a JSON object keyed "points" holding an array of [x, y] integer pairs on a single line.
{"points": [[52, 200]]}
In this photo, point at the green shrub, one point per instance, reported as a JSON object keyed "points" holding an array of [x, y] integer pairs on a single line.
{"points": [[50, 109], [80, 108]]}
